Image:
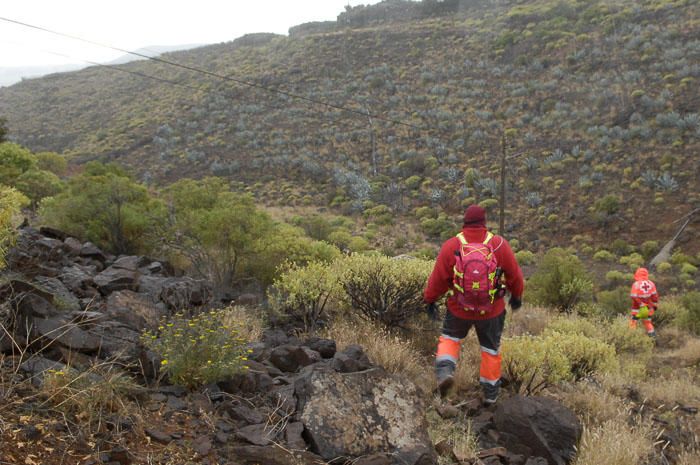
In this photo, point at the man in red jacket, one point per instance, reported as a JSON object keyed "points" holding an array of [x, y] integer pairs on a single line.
{"points": [[474, 303]]}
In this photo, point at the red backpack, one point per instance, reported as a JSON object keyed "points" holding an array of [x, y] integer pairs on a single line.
{"points": [[477, 275]]}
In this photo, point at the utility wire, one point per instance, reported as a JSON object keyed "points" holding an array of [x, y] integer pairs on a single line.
{"points": [[221, 76], [140, 74]]}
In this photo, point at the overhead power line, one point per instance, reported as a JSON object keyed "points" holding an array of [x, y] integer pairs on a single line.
{"points": [[288, 94]]}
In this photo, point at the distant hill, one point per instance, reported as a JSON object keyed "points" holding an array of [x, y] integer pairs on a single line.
{"points": [[599, 98], [12, 75], [151, 51]]}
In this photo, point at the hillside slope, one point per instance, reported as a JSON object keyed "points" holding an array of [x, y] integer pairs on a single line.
{"points": [[600, 97]]}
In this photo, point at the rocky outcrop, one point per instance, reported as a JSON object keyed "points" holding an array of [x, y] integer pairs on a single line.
{"points": [[538, 426], [66, 296], [363, 413]]}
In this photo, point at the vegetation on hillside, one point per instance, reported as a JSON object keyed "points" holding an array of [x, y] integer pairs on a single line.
{"points": [[600, 97]]}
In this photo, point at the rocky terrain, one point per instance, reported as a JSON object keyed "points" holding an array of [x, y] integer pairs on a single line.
{"points": [[68, 307]]}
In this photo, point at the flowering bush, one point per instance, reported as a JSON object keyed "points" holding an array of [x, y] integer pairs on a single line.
{"points": [[202, 349]]}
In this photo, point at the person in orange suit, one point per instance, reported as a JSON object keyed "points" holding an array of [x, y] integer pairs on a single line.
{"points": [[645, 300]]}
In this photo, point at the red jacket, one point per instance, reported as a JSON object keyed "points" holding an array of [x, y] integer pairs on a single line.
{"points": [[441, 278]]}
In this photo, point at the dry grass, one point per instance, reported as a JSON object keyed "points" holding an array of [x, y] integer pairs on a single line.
{"points": [[528, 320], [391, 351], [467, 374], [91, 394], [687, 355], [459, 436], [679, 389], [671, 337], [593, 404], [615, 443], [688, 458], [249, 321]]}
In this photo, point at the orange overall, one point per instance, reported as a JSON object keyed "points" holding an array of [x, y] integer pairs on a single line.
{"points": [[644, 300]]}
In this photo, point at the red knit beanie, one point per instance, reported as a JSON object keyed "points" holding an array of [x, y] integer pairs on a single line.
{"points": [[475, 216]]}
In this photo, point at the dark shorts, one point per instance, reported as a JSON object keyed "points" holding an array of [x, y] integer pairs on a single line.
{"points": [[487, 331]]}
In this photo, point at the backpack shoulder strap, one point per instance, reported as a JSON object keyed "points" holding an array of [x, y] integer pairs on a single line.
{"points": [[462, 239], [489, 236]]}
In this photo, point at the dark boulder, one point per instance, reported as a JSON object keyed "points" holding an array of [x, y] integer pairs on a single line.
{"points": [[538, 426], [62, 331], [289, 358], [259, 435], [131, 262], [272, 455], [90, 250], [78, 279], [62, 298], [116, 279], [325, 347], [350, 360], [136, 311]]}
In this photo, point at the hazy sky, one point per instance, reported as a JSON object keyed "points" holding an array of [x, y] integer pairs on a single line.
{"points": [[131, 24]]}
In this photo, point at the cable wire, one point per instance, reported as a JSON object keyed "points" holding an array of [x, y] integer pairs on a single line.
{"points": [[364, 114]]}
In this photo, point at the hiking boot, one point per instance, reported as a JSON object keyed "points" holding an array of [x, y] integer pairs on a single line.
{"points": [[652, 334], [445, 376], [491, 392]]}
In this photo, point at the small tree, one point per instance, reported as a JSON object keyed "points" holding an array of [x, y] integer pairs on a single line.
{"points": [[213, 229], [14, 160], [561, 281], [107, 207], [37, 184]]}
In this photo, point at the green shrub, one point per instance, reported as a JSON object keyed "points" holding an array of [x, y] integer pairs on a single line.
{"points": [[664, 267], [304, 294], [615, 277], [53, 162], [38, 184], [525, 257], [688, 268], [649, 249], [633, 343], [381, 214], [199, 350], [572, 325], [340, 238], [586, 355], [530, 363], [633, 261], [614, 302], [383, 289], [105, 206], [561, 281], [14, 160], [608, 205], [679, 258], [11, 202], [603, 256], [425, 212], [488, 203], [358, 244], [689, 316], [621, 247]]}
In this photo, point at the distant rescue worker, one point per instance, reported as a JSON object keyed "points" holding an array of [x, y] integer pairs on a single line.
{"points": [[475, 269], [645, 299]]}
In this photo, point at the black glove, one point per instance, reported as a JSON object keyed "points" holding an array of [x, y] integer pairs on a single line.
{"points": [[515, 303], [432, 310]]}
